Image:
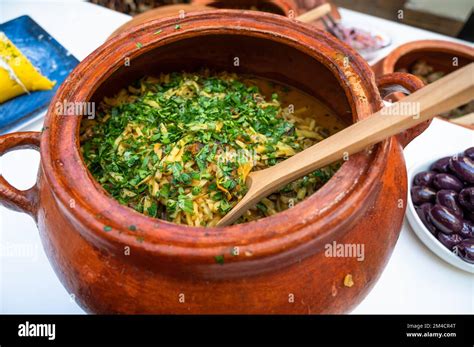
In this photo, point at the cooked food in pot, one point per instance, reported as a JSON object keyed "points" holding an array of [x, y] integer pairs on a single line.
{"points": [[180, 146]]}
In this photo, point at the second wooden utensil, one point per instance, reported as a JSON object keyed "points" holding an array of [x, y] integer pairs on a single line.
{"points": [[443, 95], [315, 13]]}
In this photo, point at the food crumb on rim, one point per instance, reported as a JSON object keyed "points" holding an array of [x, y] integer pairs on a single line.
{"points": [[348, 281]]}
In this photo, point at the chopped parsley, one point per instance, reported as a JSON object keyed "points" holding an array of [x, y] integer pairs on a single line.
{"points": [[219, 259], [180, 146]]}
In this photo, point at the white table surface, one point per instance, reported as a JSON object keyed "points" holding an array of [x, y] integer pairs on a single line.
{"points": [[414, 281]]}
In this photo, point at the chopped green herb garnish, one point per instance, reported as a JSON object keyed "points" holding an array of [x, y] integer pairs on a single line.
{"points": [[158, 32], [219, 259], [139, 45], [177, 26], [107, 228], [180, 146]]}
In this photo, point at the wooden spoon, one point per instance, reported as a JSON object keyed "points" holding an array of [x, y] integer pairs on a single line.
{"points": [[449, 92], [315, 13]]}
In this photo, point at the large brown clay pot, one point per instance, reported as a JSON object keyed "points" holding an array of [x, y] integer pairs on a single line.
{"points": [[160, 267]]}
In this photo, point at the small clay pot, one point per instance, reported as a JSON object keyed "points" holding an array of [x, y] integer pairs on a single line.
{"points": [[444, 56], [116, 260]]}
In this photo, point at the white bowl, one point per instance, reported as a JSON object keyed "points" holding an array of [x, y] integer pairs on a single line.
{"points": [[420, 230], [384, 39]]}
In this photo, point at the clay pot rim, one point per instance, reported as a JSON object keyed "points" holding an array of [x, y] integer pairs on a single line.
{"points": [[441, 46], [268, 235]]}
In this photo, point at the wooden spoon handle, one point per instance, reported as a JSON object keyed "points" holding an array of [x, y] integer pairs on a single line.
{"points": [[443, 95], [315, 13]]}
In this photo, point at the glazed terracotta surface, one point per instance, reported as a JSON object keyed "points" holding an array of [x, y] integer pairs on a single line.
{"points": [[153, 266]]}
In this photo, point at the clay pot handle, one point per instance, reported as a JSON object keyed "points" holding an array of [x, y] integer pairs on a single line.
{"points": [[25, 201], [406, 84]]}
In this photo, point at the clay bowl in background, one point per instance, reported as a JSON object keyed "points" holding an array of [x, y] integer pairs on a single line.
{"points": [[288, 8], [160, 12], [436, 53], [281, 265]]}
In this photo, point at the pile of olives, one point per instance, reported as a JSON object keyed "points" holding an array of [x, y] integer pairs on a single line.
{"points": [[444, 201]]}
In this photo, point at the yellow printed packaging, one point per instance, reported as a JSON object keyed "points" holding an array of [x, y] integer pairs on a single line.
{"points": [[17, 73]]}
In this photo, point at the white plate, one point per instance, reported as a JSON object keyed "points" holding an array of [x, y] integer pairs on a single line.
{"points": [[420, 230]]}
